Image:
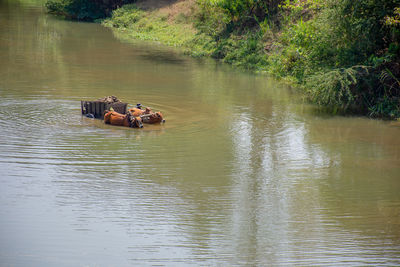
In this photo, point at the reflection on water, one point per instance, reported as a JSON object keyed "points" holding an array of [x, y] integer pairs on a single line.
{"points": [[241, 174], [163, 57]]}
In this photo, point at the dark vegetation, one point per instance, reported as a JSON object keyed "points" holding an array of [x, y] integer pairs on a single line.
{"points": [[343, 54], [84, 10]]}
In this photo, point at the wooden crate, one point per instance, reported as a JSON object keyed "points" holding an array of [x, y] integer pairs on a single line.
{"points": [[97, 108]]}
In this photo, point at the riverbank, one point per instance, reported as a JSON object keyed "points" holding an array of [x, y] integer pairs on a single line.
{"points": [[137, 22], [341, 55]]}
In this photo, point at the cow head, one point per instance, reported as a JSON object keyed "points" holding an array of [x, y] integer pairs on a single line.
{"points": [[136, 122], [160, 117]]}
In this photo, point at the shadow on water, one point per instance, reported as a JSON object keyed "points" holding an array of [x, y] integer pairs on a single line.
{"points": [[163, 57]]}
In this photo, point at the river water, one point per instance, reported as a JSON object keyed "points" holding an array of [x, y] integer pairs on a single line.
{"points": [[241, 174]]}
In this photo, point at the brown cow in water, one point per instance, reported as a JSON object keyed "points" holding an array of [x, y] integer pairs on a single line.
{"points": [[152, 118], [127, 120], [139, 112], [147, 115]]}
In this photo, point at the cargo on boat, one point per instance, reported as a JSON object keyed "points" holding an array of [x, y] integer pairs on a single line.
{"points": [[96, 108]]}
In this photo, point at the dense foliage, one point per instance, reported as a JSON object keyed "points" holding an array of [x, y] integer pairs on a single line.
{"points": [[86, 10]]}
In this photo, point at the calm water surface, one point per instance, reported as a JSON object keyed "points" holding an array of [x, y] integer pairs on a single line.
{"points": [[241, 174]]}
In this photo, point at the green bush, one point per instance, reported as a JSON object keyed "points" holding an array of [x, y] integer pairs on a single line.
{"points": [[358, 28], [126, 16], [244, 51], [55, 7], [333, 88], [211, 20], [249, 13]]}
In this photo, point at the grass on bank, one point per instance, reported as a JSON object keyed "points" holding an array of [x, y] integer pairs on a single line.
{"points": [[153, 26]]}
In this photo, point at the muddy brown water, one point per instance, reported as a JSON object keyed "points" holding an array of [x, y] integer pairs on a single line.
{"points": [[241, 174]]}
